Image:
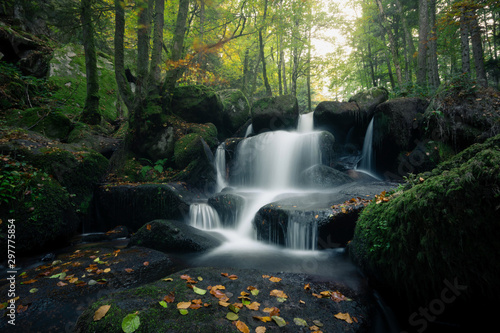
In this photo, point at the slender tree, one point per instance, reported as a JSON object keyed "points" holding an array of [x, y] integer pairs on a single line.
{"points": [[423, 22]]}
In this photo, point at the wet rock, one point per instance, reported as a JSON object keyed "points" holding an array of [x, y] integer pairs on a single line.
{"points": [[228, 207], [367, 100], [322, 176], [339, 118], [298, 303], [235, 113], [275, 113], [173, 236]]}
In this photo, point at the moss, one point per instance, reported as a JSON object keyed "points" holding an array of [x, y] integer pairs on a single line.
{"points": [[187, 149], [444, 225], [52, 124]]}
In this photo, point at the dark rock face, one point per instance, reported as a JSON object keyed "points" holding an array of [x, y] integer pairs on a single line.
{"points": [[197, 104], [173, 236], [322, 176], [396, 132], [235, 113], [227, 206], [132, 206], [339, 118], [275, 113], [444, 225], [368, 100], [213, 318]]}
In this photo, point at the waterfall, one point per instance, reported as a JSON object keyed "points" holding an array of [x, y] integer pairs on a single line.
{"points": [[306, 123], [220, 166], [203, 216], [249, 130], [367, 162], [300, 235]]}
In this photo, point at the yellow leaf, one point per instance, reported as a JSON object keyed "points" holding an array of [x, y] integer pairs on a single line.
{"points": [[183, 305], [101, 312], [274, 279], [344, 316], [260, 329], [278, 293], [263, 319], [253, 306], [242, 327]]}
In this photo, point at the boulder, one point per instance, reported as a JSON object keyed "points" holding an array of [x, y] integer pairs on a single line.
{"points": [[89, 138], [322, 176], [275, 113], [236, 111], [227, 205], [50, 123], [133, 206], [340, 118], [396, 132], [197, 104], [367, 100], [211, 317], [174, 237], [442, 226]]}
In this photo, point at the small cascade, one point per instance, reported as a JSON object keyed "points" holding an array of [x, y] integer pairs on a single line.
{"points": [[367, 162], [274, 160], [203, 216], [249, 130], [306, 123], [220, 166], [301, 235]]}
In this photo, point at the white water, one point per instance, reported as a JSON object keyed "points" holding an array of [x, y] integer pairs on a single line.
{"points": [[220, 166], [249, 130], [367, 162], [268, 166]]}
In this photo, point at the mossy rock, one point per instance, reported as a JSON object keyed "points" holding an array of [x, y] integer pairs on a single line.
{"points": [[173, 237], [42, 209], [67, 73], [53, 124], [367, 100], [275, 113], [187, 149], [197, 104], [236, 111], [339, 118], [443, 225]]}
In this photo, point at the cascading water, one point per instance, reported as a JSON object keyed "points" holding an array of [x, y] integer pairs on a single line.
{"points": [[268, 165], [367, 162]]}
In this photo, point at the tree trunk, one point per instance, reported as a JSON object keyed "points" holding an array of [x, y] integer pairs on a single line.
{"points": [[477, 48], [91, 110], [423, 23], [175, 73], [159, 20], [392, 43], [269, 91], [433, 61], [285, 84], [410, 59], [121, 81], [464, 39], [370, 62]]}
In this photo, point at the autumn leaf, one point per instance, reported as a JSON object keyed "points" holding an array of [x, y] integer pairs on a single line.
{"points": [[266, 276], [260, 329], [199, 291], [61, 284], [279, 321], [262, 319], [233, 277], [195, 306], [183, 305], [148, 227], [183, 312], [168, 279], [338, 297], [242, 327], [278, 293], [163, 304], [129, 270], [300, 322], [170, 297], [253, 306], [224, 304], [101, 312], [224, 274], [326, 293], [146, 263], [307, 287], [29, 281], [274, 279], [231, 316], [107, 270], [33, 290], [274, 311], [344, 316], [21, 308], [185, 277]]}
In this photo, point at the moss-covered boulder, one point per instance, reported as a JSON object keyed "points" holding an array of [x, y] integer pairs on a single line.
{"points": [[211, 316], [173, 237], [67, 73], [197, 104], [367, 100], [443, 226], [275, 113], [53, 124], [236, 111], [41, 209]]}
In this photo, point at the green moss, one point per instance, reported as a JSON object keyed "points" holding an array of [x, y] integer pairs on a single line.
{"points": [[52, 124], [187, 149], [444, 225]]}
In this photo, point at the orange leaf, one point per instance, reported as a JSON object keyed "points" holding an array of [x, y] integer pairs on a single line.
{"points": [[278, 293], [307, 287], [170, 297], [326, 293], [146, 263], [262, 319], [253, 306], [195, 306], [129, 270], [233, 277], [274, 279], [29, 281], [338, 297], [101, 312], [148, 227], [183, 305], [242, 327], [224, 274], [185, 277], [274, 311], [21, 308], [266, 276], [344, 316], [224, 304]]}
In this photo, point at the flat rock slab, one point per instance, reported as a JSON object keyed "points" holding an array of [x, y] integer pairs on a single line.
{"points": [[52, 296], [298, 301]]}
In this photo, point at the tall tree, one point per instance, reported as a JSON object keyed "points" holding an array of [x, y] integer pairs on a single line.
{"points": [[91, 110], [433, 61], [464, 40], [423, 22], [269, 91], [477, 46]]}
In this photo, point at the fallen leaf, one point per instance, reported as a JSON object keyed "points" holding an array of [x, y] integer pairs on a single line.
{"points": [[266, 276], [224, 274], [307, 287], [199, 291], [101, 312], [185, 277], [231, 316], [274, 311], [344, 316], [29, 281], [107, 270], [146, 263], [300, 322], [262, 319], [301, 301], [242, 327], [233, 277], [33, 290], [224, 304], [274, 279], [163, 303], [61, 284], [148, 227], [168, 279], [195, 306], [183, 305], [253, 306], [278, 293], [260, 329], [318, 323], [279, 321], [21, 308], [338, 297], [129, 270], [131, 323], [183, 312]]}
